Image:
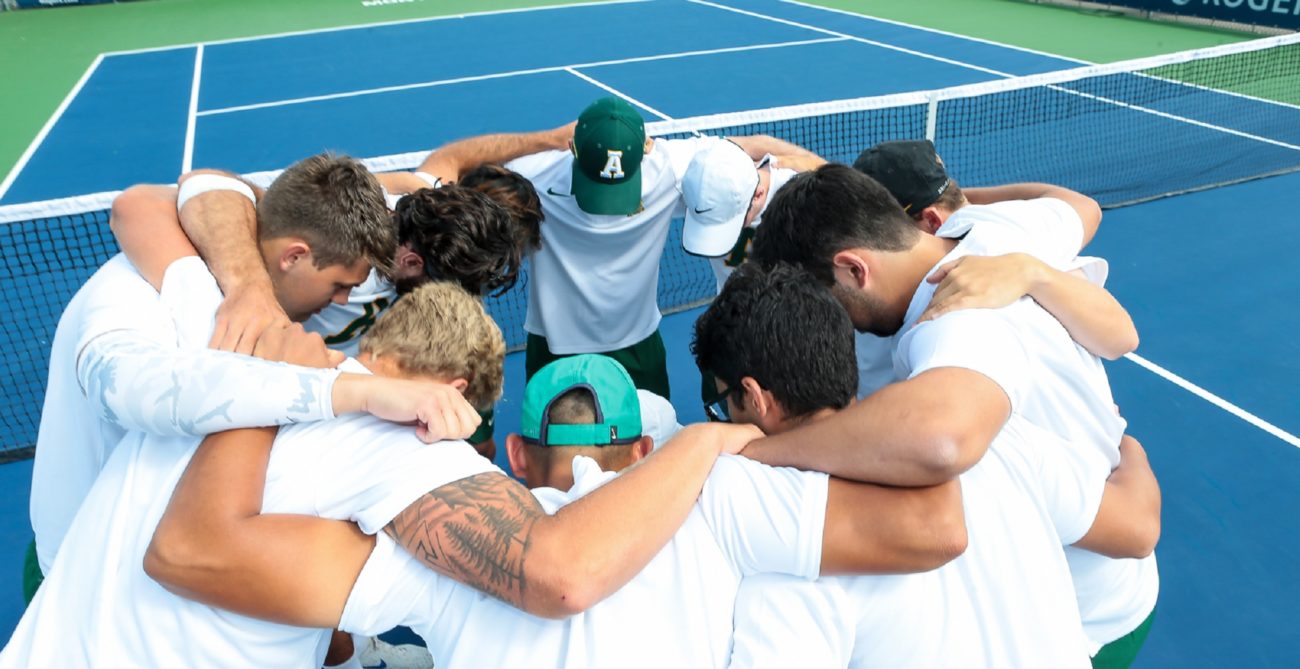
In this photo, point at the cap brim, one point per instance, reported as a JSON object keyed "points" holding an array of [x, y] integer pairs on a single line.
{"points": [[709, 238], [602, 197]]}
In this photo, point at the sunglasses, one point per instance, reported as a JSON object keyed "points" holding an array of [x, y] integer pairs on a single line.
{"points": [[715, 406]]}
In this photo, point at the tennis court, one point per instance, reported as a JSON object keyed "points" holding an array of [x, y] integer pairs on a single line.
{"points": [[1211, 395]]}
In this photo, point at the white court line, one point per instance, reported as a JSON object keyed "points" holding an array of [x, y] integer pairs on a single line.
{"points": [[1215, 399], [358, 26], [619, 93], [1036, 52], [936, 31], [863, 40], [49, 125], [514, 73], [187, 158]]}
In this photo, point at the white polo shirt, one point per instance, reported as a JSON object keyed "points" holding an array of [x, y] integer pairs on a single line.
{"points": [[1006, 602], [97, 607], [677, 612], [1070, 395], [119, 363], [593, 285]]}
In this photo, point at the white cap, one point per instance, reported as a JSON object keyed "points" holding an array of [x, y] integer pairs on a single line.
{"points": [[718, 187], [658, 417]]}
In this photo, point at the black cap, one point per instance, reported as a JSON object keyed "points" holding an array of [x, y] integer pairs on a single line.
{"points": [[908, 169]]}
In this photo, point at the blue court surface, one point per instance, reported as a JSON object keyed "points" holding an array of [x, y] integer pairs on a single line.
{"points": [[1212, 393]]}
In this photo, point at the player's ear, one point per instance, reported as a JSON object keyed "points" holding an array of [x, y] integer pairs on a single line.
{"points": [[931, 219], [409, 263], [294, 252], [649, 145], [459, 384], [642, 448], [756, 399], [849, 264], [573, 149], [517, 454]]}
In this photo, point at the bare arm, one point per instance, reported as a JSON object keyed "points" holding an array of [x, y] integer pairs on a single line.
{"points": [[487, 532], [883, 530], [449, 161], [1091, 315], [213, 546], [223, 227], [758, 146], [401, 183], [1128, 522], [1087, 208], [145, 224], [922, 431]]}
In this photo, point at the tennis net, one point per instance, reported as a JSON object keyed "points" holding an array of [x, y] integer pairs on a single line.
{"points": [[1122, 132]]}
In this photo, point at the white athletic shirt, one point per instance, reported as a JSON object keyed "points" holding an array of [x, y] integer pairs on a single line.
{"points": [[676, 613], [343, 325], [116, 365], [97, 607], [1070, 396], [1008, 600], [594, 282]]}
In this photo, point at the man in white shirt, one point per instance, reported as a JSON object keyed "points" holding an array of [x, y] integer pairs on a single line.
{"points": [[876, 262], [608, 204], [749, 518], [720, 213], [781, 348], [1117, 599], [114, 365]]}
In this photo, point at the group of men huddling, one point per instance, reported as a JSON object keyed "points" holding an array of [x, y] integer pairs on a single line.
{"points": [[915, 458]]}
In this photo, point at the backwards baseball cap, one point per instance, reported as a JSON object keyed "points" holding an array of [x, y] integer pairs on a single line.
{"points": [[608, 143], [718, 186], [618, 410], [908, 169]]}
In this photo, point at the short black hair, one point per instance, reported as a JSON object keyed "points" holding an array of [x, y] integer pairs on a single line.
{"points": [[462, 235], [785, 330], [820, 213], [514, 192]]}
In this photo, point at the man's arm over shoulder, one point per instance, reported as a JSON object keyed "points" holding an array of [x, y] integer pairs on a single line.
{"points": [[779, 519], [488, 532], [449, 161]]}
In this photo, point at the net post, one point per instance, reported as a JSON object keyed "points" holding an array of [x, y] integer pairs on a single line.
{"points": [[932, 115]]}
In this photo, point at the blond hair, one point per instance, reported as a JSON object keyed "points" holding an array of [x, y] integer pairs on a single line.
{"points": [[439, 330], [337, 206]]}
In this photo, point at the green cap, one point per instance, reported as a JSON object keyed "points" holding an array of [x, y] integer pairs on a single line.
{"points": [[618, 409], [609, 142]]}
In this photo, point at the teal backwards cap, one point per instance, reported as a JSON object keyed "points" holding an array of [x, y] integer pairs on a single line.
{"points": [[618, 410]]}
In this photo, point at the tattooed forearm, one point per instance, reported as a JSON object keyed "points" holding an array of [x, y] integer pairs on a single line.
{"points": [[475, 530]]}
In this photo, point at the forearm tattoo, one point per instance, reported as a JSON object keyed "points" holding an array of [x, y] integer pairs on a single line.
{"points": [[475, 530]]}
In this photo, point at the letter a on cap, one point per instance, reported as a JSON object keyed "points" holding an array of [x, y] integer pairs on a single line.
{"points": [[613, 165]]}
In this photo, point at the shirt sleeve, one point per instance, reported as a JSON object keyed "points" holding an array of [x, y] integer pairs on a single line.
{"points": [[783, 622], [766, 519], [1051, 228], [533, 165], [383, 468], [980, 340], [681, 151], [135, 376], [1073, 480], [392, 589], [138, 384]]}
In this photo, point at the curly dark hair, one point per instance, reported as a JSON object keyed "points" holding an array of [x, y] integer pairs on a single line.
{"points": [[514, 192], [463, 236], [785, 330]]}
